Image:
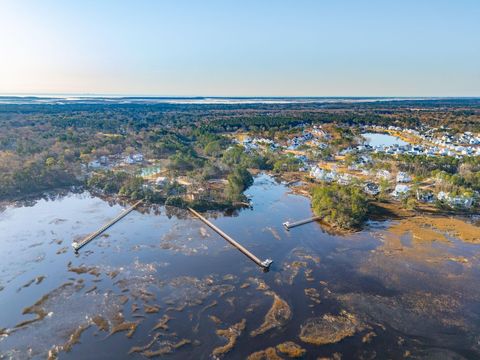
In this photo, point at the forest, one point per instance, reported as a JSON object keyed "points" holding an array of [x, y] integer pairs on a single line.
{"points": [[47, 147]]}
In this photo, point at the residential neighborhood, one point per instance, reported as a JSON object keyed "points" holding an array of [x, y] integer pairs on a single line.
{"points": [[365, 159]]}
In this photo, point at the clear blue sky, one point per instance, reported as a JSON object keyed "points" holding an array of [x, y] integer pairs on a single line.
{"points": [[241, 48]]}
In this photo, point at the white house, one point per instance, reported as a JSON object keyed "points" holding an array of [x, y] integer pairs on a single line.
{"points": [[137, 157], [403, 177], [323, 175], [129, 160], [344, 179], [95, 164], [462, 201], [161, 180], [400, 190], [384, 174]]}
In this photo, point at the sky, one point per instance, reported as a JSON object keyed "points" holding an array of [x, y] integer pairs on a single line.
{"points": [[240, 48]]}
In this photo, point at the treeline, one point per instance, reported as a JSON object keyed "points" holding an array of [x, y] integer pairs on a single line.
{"points": [[285, 122], [123, 118], [34, 177], [455, 174], [194, 138]]}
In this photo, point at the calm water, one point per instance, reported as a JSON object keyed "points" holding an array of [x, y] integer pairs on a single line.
{"points": [[383, 140], [164, 264]]}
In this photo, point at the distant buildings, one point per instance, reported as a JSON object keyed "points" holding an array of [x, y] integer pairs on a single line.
{"points": [[133, 159], [94, 164], [320, 133], [297, 141], [254, 144], [101, 162], [434, 143]]}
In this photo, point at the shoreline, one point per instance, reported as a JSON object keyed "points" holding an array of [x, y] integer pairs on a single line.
{"points": [[385, 210]]}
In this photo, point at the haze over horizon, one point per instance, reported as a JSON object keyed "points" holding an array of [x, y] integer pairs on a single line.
{"points": [[227, 49]]}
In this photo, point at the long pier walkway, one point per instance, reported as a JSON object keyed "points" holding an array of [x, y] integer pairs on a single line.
{"points": [[288, 225], [78, 245], [264, 264]]}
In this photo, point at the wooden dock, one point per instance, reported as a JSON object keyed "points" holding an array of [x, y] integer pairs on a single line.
{"points": [[265, 264], [78, 245], [288, 225]]}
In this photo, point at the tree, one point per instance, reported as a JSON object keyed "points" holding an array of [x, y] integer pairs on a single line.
{"points": [[342, 206], [384, 188], [85, 158], [184, 161], [213, 148], [50, 162], [286, 163], [239, 180], [133, 188], [351, 159], [234, 155], [210, 171]]}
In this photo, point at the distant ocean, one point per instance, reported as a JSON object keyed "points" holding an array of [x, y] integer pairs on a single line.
{"points": [[69, 99]]}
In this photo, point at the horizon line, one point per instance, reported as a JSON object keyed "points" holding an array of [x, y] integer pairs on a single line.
{"points": [[100, 95]]}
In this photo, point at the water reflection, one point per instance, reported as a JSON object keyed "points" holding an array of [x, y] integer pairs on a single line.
{"points": [[383, 140]]}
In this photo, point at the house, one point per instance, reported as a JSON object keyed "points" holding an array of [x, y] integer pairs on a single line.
{"points": [[465, 202], [460, 201], [446, 152], [323, 175], [129, 160], [316, 172], [103, 160], [346, 151], [138, 158], [94, 164], [256, 142], [403, 177], [384, 174], [344, 179], [425, 196], [330, 176], [250, 146], [161, 181], [319, 133], [442, 196], [400, 190], [302, 158], [371, 189], [365, 159]]}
